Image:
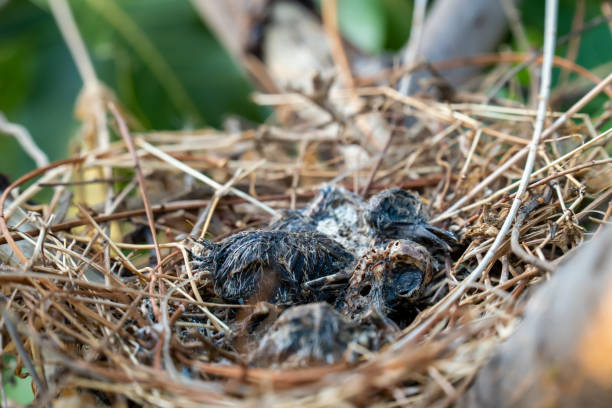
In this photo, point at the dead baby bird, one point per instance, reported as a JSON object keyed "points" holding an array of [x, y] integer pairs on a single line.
{"points": [[315, 334], [320, 244], [367, 259], [270, 265]]}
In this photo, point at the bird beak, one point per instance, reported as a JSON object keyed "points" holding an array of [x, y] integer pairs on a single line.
{"points": [[444, 239]]}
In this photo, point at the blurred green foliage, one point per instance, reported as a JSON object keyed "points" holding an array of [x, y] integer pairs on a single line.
{"points": [[161, 61]]}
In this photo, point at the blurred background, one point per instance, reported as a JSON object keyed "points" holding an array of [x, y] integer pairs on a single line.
{"points": [[167, 68]]}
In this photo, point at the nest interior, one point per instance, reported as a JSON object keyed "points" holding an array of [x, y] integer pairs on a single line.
{"points": [[100, 296]]}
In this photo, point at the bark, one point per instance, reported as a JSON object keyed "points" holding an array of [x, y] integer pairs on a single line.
{"points": [[561, 355]]}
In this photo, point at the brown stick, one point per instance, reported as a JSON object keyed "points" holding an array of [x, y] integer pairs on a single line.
{"points": [[127, 138], [329, 11], [568, 171], [189, 205]]}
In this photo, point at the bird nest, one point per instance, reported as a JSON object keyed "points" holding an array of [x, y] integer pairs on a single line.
{"points": [[102, 299]]}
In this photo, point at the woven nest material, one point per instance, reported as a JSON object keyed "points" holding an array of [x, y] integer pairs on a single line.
{"points": [[101, 308]]}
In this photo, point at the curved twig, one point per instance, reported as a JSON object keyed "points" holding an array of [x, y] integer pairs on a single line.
{"points": [[549, 47], [127, 138], [25, 140]]}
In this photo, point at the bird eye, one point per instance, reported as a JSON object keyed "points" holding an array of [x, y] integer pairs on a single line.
{"points": [[407, 280]]}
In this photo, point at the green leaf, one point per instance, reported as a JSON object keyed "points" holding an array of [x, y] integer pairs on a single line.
{"points": [[17, 389], [398, 14], [363, 22]]}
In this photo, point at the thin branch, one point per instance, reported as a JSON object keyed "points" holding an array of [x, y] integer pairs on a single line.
{"points": [[470, 154], [569, 171], [91, 101], [24, 139], [416, 36], [124, 260], [217, 323], [329, 12], [127, 138], [196, 174], [377, 164], [549, 47], [65, 21]]}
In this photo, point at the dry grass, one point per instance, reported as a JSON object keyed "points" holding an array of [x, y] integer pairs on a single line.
{"points": [[94, 311], [88, 306]]}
